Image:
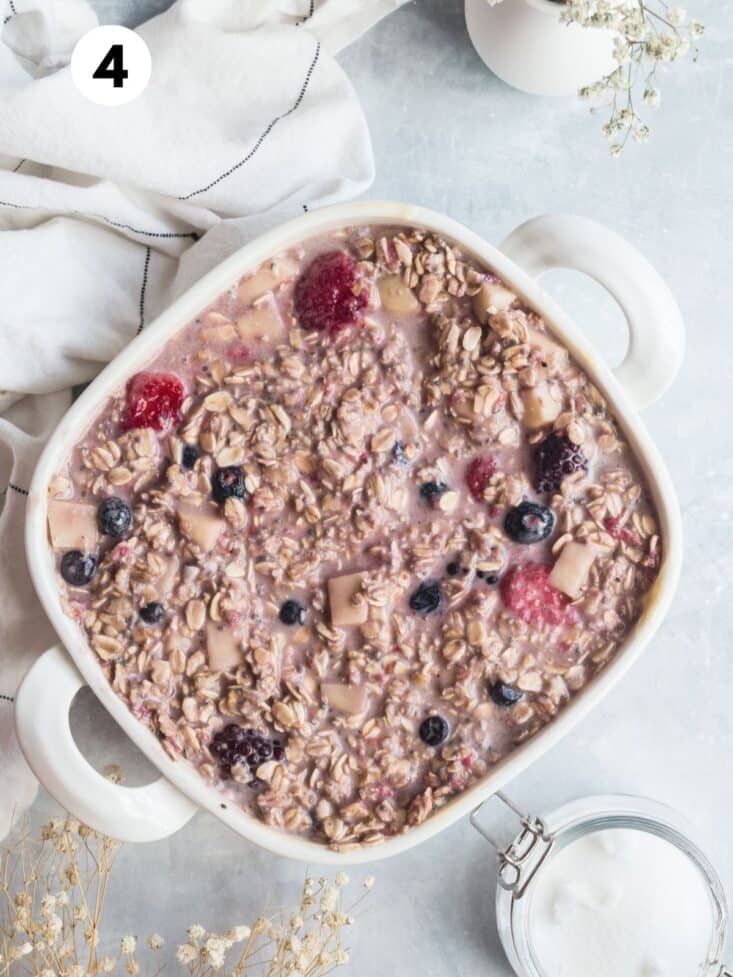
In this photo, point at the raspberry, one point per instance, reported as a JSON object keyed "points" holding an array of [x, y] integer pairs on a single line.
{"points": [[325, 297], [555, 458], [152, 400], [617, 531], [478, 474], [234, 745], [375, 793], [238, 351], [527, 591]]}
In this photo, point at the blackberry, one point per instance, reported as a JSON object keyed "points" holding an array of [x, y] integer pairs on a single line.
{"points": [[434, 730], [427, 598], [77, 568], [236, 746], [554, 459], [529, 522], [228, 482], [114, 517]]}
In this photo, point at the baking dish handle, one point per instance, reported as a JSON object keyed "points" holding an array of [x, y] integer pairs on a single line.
{"points": [[42, 724], [656, 329]]}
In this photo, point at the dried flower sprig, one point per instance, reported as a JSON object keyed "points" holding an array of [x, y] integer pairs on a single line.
{"points": [[52, 897], [650, 33]]}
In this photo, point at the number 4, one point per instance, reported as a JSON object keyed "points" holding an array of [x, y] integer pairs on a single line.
{"points": [[111, 66]]}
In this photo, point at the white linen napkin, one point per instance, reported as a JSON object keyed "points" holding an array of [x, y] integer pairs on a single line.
{"points": [[107, 213]]}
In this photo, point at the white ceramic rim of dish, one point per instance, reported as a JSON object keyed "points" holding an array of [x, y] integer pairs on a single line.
{"points": [[33, 725]]}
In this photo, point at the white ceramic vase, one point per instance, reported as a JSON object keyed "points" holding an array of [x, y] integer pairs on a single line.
{"points": [[526, 45]]}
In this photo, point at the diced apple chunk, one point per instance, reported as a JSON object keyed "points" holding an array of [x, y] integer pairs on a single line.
{"points": [[266, 279], [550, 351], [222, 647], [492, 297], [341, 591], [217, 328], [164, 583], [72, 525], [396, 296], [345, 698], [262, 321], [572, 567], [540, 405], [204, 528]]}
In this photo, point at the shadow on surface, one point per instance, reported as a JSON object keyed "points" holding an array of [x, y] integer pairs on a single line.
{"points": [[103, 743]]}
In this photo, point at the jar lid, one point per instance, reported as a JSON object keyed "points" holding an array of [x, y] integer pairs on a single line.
{"points": [[608, 884]]}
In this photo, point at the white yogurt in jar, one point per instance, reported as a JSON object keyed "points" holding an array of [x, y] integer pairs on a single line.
{"points": [[620, 902]]}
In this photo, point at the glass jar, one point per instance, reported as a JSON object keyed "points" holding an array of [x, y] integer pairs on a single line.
{"points": [[522, 862]]}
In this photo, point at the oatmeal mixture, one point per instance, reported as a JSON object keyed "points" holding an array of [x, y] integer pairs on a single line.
{"points": [[360, 529]]}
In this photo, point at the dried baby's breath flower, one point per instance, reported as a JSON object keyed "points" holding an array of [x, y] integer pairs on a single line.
{"points": [[215, 951], [47, 931], [113, 772], [648, 34], [186, 954]]}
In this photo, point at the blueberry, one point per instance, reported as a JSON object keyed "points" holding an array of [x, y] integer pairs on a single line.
{"points": [[398, 454], [505, 695], [152, 613], [228, 482], [292, 612], [189, 456], [453, 568], [488, 576], [432, 491], [114, 517], [77, 568], [434, 730], [529, 522], [427, 598]]}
